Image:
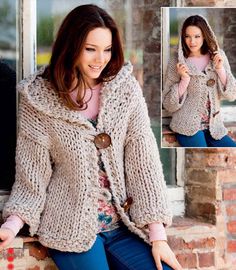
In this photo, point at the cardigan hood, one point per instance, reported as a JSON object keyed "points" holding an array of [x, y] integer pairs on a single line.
{"points": [[41, 95], [181, 59]]}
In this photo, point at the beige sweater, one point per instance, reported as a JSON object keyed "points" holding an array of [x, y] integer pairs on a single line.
{"points": [[56, 189], [187, 111]]}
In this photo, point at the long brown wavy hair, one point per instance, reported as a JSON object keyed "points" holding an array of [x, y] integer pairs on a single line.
{"points": [[209, 45], [63, 69]]}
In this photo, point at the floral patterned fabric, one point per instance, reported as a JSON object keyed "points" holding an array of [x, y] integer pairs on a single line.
{"points": [[205, 120], [107, 214]]}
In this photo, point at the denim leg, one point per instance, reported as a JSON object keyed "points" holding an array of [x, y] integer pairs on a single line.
{"points": [[196, 140], [126, 251], [93, 259], [226, 141]]}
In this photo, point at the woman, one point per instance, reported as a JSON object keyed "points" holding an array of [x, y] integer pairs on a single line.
{"points": [[8, 137], [89, 181], [197, 78]]}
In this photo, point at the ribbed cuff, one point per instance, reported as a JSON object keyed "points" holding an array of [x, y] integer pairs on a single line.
{"points": [[13, 223], [222, 75], [183, 85], [157, 232]]}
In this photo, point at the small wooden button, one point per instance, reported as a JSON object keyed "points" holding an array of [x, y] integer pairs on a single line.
{"points": [[127, 204], [211, 82]]}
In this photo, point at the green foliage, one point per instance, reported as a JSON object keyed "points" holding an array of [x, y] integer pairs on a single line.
{"points": [[7, 14], [174, 27], [45, 29]]}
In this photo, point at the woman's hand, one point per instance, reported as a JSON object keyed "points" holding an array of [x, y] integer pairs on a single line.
{"points": [[218, 61], [162, 252], [182, 70], [7, 236]]}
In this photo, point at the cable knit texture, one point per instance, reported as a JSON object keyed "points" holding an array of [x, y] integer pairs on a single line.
{"points": [[56, 190], [187, 111]]}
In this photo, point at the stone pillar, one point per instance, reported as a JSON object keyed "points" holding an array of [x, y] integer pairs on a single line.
{"points": [[202, 3], [229, 22], [152, 55], [211, 196]]}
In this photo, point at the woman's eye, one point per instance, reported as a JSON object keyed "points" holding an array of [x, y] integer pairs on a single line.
{"points": [[90, 49], [108, 50]]}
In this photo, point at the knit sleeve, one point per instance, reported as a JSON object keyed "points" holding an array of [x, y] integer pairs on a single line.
{"points": [[227, 91], [144, 176], [170, 95], [33, 169]]}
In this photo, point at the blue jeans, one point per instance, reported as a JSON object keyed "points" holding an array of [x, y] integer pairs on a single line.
{"points": [[203, 138], [118, 249]]}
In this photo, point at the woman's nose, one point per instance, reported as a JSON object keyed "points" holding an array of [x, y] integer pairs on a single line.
{"points": [[100, 57], [192, 40]]}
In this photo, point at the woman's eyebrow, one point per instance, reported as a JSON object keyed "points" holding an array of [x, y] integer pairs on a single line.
{"points": [[97, 45]]}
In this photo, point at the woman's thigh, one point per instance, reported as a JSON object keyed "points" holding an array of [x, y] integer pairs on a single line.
{"points": [[196, 140], [126, 251], [93, 259]]}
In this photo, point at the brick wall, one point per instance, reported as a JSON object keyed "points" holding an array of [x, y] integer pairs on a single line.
{"points": [[203, 3], [194, 243], [26, 255], [211, 197]]}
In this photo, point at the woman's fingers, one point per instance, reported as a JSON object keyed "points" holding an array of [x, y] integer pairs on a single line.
{"points": [[174, 263], [158, 263], [6, 237], [218, 60], [180, 66], [182, 69], [4, 244], [162, 252]]}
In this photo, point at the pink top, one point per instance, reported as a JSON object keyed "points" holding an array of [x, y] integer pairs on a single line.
{"points": [[92, 96], [201, 63], [156, 230]]}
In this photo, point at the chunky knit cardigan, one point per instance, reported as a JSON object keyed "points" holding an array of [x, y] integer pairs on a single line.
{"points": [[187, 111], [56, 189]]}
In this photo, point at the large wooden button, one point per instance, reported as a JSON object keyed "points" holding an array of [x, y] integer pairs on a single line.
{"points": [[211, 82], [102, 140], [127, 204]]}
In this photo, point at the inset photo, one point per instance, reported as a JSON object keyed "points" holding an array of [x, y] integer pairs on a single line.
{"points": [[198, 77]]}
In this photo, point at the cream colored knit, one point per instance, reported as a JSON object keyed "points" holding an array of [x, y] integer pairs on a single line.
{"points": [[56, 189], [186, 114]]}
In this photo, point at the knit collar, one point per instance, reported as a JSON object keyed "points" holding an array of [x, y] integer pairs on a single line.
{"points": [[40, 94]]}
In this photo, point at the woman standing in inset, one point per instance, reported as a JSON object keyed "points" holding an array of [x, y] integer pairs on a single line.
{"points": [[197, 78], [89, 180]]}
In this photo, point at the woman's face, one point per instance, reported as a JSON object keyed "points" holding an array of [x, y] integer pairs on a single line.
{"points": [[194, 40], [95, 54]]}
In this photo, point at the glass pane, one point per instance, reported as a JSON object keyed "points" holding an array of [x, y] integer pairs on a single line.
{"points": [[168, 157], [50, 14], [8, 63]]}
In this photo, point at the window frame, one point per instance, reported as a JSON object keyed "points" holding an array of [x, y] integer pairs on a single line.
{"points": [[175, 193]]}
